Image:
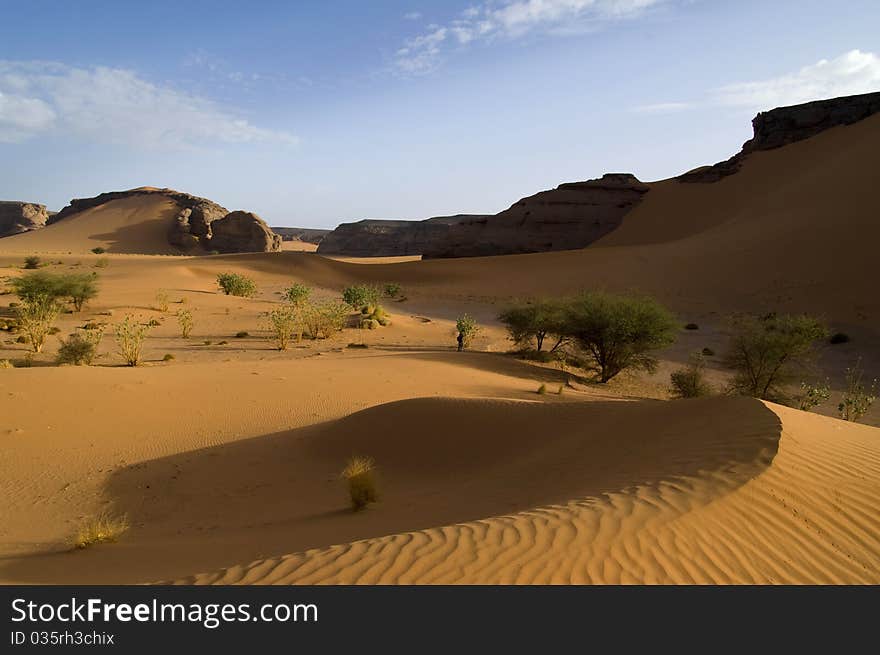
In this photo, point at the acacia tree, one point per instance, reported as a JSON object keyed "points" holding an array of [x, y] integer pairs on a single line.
{"points": [[619, 331], [536, 321], [770, 352]]}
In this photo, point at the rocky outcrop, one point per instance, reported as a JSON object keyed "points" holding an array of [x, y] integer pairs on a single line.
{"points": [[306, 234], [783, 125], [570, 216], [18, 217], [380, 238], [193, 227], [241, 231]]}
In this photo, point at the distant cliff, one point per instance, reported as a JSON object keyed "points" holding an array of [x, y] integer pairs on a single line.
{"points": [[784, 125], [379, 238], [307, 234], [18, 217]]}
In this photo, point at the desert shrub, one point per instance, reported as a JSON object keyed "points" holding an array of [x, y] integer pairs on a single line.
{"points": [[80, 347], [186, 322], [36, 317], [285, 324], [812, 395], [468, 328], [297, 295], [102, 262], [560, 389], [838, 337], [361, 296], [153, 322], [534, 322], [542, 390], [162, 300], [130, 338], [167, 357], [691, 326], [103, 528], [689, 382], [359, 473], [708, 352], [373, 317], [242, 335], [357, 346], [31, 262], [99, 250], [857, 398], [391, 289], [79, 288], [324, 319], [235, 284], [76, 287], [767, 353], [619, 332], [5, 363]]}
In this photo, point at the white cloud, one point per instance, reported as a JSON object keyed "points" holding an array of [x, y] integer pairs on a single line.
{"points": [[851, 73], [511, 19], [116, 106], [662, 108], [412, 15]]}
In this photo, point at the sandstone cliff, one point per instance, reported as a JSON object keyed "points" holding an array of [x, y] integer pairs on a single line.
{"points": [[378, 238], [307, 234], [18, 217]]}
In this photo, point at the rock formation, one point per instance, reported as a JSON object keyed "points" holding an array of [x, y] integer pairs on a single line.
{"points": [[570, 216], [379, 238], [784, 125], [18, 217], [306, 234], [193, 227]]}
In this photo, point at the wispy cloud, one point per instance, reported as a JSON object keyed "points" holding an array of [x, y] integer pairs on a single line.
{"points": [[412, 15], [114, 105], [511, 19]]}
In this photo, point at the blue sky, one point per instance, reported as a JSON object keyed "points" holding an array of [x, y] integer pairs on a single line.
{"points": [[315, 113]]}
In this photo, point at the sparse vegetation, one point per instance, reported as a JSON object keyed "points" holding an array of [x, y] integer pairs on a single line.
{"points": [[297, 295], [31, 262], [359, 473], [186, 322], [542, 390], [690, 382], [162, 300], [99, 250], [533, 322], [361, 296], [391, 289], [467, 328], [838, 337], [242, 335], [36, 317], [76, 287], [619, 332], [80, 347], [324, 319], [767, 353], [235, 284], [102, 262], [285, 324], [857, 398], [130, 338], [812, 395], [103, 528], [5, 363], [167, 357]]}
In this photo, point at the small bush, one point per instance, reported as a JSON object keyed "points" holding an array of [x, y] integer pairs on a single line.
{"points": [[373, 317], [130, 337], [542, 390], [812, 395], [689, 382], [207, 342], [534, 322], [167, 357], [235, 284], [99, 250], [242, 335], [5, 363], [691, 326], [285, 324], [102, 262], [36, 317], [391, 289], [153, 322], [297, 295], [323, 320], [80, 347], [838, 337], [359, 474], [32, 262], [103, 528], [357, 346], [857, 398], [162, 300], [186, 322], [708, 352], [560, 389], [361, 296], [468, 328]]}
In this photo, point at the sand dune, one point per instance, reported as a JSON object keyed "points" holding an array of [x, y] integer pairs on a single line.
{"points": [[680, 493]]}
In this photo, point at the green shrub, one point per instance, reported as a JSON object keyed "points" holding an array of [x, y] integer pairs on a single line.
{"points": [[285, 324], [167, 357], [812, 395], [536, 321], [130, 338], [36, 317], [689, 382], [324, 319], [162, 300], [467, 328], [619, 332], [857, 398], [361, 296], [76, 287], [153, 322], [31, 262], [297, 295], [359, 473], [768, 353], [99, 250], [542, 390], [186, 322], [80, 347], [235, 284], [391, 289], [838, 337], [242, 335]]}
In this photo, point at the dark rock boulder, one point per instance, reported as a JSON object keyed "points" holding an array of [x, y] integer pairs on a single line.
{"points": [[389, 238], [783, 125], [18, 217], [241, 231], [571, 216]]}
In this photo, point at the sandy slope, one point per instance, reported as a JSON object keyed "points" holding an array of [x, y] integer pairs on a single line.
{"points": [[713, 491]]}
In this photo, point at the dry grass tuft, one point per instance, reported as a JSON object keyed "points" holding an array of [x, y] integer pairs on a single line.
{"points": [[359, 473], [100, 529]]}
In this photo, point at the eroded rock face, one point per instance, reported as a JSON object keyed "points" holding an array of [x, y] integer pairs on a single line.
{"points": [[18, 217], [193, 227], [378, 238], [783, 125], [241, 231], [570, 216], [306, 234]]}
